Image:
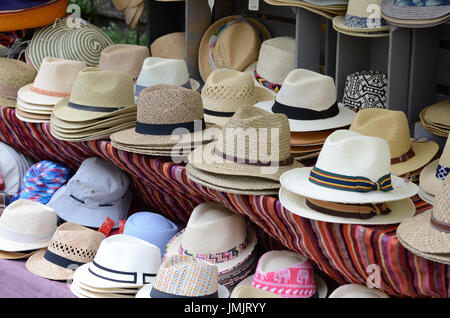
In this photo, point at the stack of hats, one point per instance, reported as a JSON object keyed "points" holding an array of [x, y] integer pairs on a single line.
{"points": [[132, 10], [54, 81], [101, 103], [408, 157], [363, 19], [357, 291], [351, 183], [219, 236], [13, 75], [327, 8], [170, 46], [122, 265], [308, 99], [252, 151], [415, 14], [169, 123], [282, 274], [436, 118], [96, 191], [13, 167], [232, 42]]}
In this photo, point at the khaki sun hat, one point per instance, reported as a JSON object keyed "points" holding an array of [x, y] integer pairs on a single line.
{"points": [[170, 46], [433, 175], [392, 125], [126, 58], [71, 246], [13, 75], [428, 234], [231, 42]]}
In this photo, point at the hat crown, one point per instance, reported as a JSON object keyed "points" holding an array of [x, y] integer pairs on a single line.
{"points": [[441, 207], [365, 89], [350, 153], [10, 169], [171, 45], [157, 70], [127, 58], [169, 104], [391, 125], [149, 221], [274, 260], [307, 89], [187, 276], [363, 9], [444, 160], [99, 88], [58, 75], [212, 228], [15, 73]]}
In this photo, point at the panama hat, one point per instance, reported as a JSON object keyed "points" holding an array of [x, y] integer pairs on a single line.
{"points": [[357, 291], [428, 234], [435, 118], [67, 126], [64, 39], [83, 288], [225, 91], [170, 46], [309, 101], [71, 246], [13, 75], [122, 261], [17, 255], [26, 225], [425, 196], [81, 292], [183, 276], [95, 134], [217, 235], [351, 168], [97, 190], [392, 125], [126, 58], [433, 175], [218, 45]]}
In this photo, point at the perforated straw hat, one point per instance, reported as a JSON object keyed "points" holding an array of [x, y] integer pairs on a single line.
{"points": [[126, 58], [13, 75], [433, 175], [308, 99], [170, 46], [357, 291], [71, 246], [26, 225], [406, 155]]}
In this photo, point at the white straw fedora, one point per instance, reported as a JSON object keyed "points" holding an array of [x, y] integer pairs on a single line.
{"points": [[217, 235], [308, 99], [26, 225], [433, 175], [357, 291], [122, 261], [80, 291]]}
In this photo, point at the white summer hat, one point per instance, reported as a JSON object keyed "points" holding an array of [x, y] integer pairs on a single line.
{"points": [[357, 291]]}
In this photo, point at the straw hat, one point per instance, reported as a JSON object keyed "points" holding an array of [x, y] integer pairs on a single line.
{"points": [[13, 166], [326, 8], [71, 246], [363, 18], [13, 75], [185, 276], [309, 101], [433, 175], [170, 46], [26, 225], [427, 234], [425, 196], [218, 45], [225, 91], [217, 235], [435, 118], [357, 291], [262, 156], [391, 125], [310, 138], [80, 291], [126, 58], [275, 60], [17, 255]]}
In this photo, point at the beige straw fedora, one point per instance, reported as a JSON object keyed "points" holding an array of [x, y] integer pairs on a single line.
{"points": [[170, 46], [126, 58], [428, 234], [13, 75], [433, 175], [231, 42], [265, 155], [71, 246], [391, 125], [17, 255], [435, 118], [225, 91], [357, 291], [53, 82]]}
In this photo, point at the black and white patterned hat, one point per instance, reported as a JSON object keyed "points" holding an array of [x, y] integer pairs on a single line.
{"points": [[366, 89]]}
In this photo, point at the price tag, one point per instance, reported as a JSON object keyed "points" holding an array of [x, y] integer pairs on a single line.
{"points": [[121, 226], [106, 226], [253, 5], [2, 184]]}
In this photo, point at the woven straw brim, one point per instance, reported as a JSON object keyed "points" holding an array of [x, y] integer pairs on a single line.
{"points": [[439, 258], [7, 102], [17, 255], [363, 34], [91, 132], [102, 134], [437, 114], [428, 180], [305, 149], [338, 22], [107, 290], [424, 153], [245, 291], [31, 118], [415, 23], [144, 292], [30, 97], [38, 265], [305, 156], [308, 138], [175, 153], [308, 6], [354, 289], [34, 109], [81, 292], [425, 196], [13, 246], [390, 8], [115, 122], [92, 124]]}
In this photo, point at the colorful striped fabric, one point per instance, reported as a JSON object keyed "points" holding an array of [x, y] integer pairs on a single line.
{"points": [[342, 251]]}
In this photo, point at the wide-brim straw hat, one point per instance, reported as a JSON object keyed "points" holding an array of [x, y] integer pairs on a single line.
{"points": [[96, 290], [357, 291], [170, 46], [91, 124], [18, 255], [144, 292], [31, 117], [425, 196], [324, 10], [299, 138], [435, 10], [89, 135], [81, 292], [13, 75]]}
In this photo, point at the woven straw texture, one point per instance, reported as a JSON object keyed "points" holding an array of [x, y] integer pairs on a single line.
{"points": [[14, 73], [126, 58], [170, 46]]}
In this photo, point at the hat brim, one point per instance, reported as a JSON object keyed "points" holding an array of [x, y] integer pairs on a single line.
{"points": [[428, 181], [195, 86], [389, 8], [84, 133], [80, 292], [144, 292], [168, 152], [34, 108], [439, 258], [38, 265], [297, 181], [91, 124], [424, 152], [343, 290], [415, 23], [362, 34], [425, 196], [307, 138], [339, 23], [320, 10], [16, 255], [343, 118], [306, 156], [28, 96], [30, 120], [13, 246], [8, 102], [131, 291]]}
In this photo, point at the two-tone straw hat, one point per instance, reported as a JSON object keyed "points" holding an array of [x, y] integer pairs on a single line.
{"points": [[433, 175], [13, 75]]}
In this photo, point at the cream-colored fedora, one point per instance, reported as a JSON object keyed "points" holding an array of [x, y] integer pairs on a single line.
{"points": [[126, 58], [97, 94], [13, 75], [357, 291], [231, 42], [53, 82], [275, 60], [217, 235], [26, 225], [71, 246], [170, 46], [428, 234], [433, 175], [266, 154], [225, 91], [308, 99], [392, 125]]}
